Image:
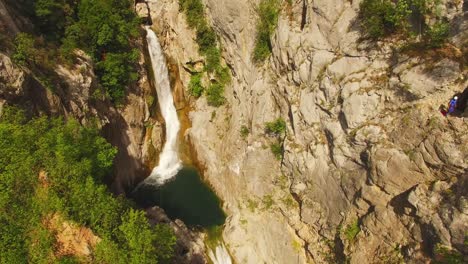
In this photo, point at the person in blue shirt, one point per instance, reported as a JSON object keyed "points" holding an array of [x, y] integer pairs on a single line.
{"points": [[452, 105]]}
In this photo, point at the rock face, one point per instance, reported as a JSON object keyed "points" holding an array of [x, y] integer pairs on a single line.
{"points": [[366, 145], [371, 171]]}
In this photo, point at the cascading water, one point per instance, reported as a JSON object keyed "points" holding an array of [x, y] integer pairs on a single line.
{"points": [[220, 255], [169, 162]]}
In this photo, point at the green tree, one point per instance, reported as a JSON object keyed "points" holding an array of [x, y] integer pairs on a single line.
{"points": [[76, 161], [25, 52]]}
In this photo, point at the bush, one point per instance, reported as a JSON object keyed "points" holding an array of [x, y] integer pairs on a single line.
{"points": [[195, 86], [377, 18], [268, 12], [446, 255], [437, 35], [194, 11], [214, 94], [244, 131], [352, 230], [277, 127], [381, 18], [24, 49], [277, 150]]}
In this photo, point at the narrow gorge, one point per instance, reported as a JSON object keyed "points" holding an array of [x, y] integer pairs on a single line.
{"points": [[234, 131]]}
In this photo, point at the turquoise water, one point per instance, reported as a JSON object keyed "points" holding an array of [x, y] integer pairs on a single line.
{"points": [[186, 198]]}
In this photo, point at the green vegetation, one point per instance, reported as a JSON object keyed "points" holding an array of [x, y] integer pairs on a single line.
{"points": [[104, 29], [214, 94], [208, 47], [267, 201], [252, 205], [244, 131], [214, 235], [24, 49], [49, 166], [268, 12], [352, 230], [277, 127], [53, 16], [447, 256], [195, 86], [277, 150], [381, 18], [437, 35]]}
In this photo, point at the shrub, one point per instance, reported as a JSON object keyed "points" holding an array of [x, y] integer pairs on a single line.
{"points": [[206, 38], [377, 18], [446, 255], [277, 127], [213, 57], [277, 150], [352, 230], [244, 131], [381, 18], [214, 94], [437, 35], [195, 86], [268, 12], [24, 49]]}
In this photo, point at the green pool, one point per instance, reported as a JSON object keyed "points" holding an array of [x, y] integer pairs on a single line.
{"points": [[186, 198]]}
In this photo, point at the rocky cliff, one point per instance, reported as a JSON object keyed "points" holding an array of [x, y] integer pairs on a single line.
{"points": [[371, 171]]}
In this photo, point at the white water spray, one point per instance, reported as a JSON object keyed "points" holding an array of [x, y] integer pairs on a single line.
{"points": [[220, 255], [169, 162]]}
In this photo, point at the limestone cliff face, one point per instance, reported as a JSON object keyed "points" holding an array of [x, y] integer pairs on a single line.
{"points": [[366, 145]]}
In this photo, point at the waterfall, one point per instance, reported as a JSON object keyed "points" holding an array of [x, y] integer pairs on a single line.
{"points": [[220, 255], [169, 162]]}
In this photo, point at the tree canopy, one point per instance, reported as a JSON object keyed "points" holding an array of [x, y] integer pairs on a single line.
{"points": [[75, 160]]}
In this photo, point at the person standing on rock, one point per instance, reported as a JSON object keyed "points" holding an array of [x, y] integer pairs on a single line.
{"points": [[452, 105]]}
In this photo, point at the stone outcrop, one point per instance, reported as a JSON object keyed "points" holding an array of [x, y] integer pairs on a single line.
{"points": [[189, 247], [365, 144]]}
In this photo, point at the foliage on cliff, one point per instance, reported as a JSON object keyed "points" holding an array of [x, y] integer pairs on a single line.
{"points": [[268, 12], [104, 29], [72, 161], [277, 130], [407, 17], [209, 47]]}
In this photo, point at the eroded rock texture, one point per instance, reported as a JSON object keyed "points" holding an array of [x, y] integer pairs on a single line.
{"points": [[366, 145]]}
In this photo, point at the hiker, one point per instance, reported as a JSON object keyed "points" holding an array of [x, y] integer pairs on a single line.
{"points": [[452, 105]]}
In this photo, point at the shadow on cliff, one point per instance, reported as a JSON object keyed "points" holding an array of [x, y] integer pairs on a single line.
{"points": [[128, 169]]}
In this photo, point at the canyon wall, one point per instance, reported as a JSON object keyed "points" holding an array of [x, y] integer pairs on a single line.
{"points": [[371, 170]]}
